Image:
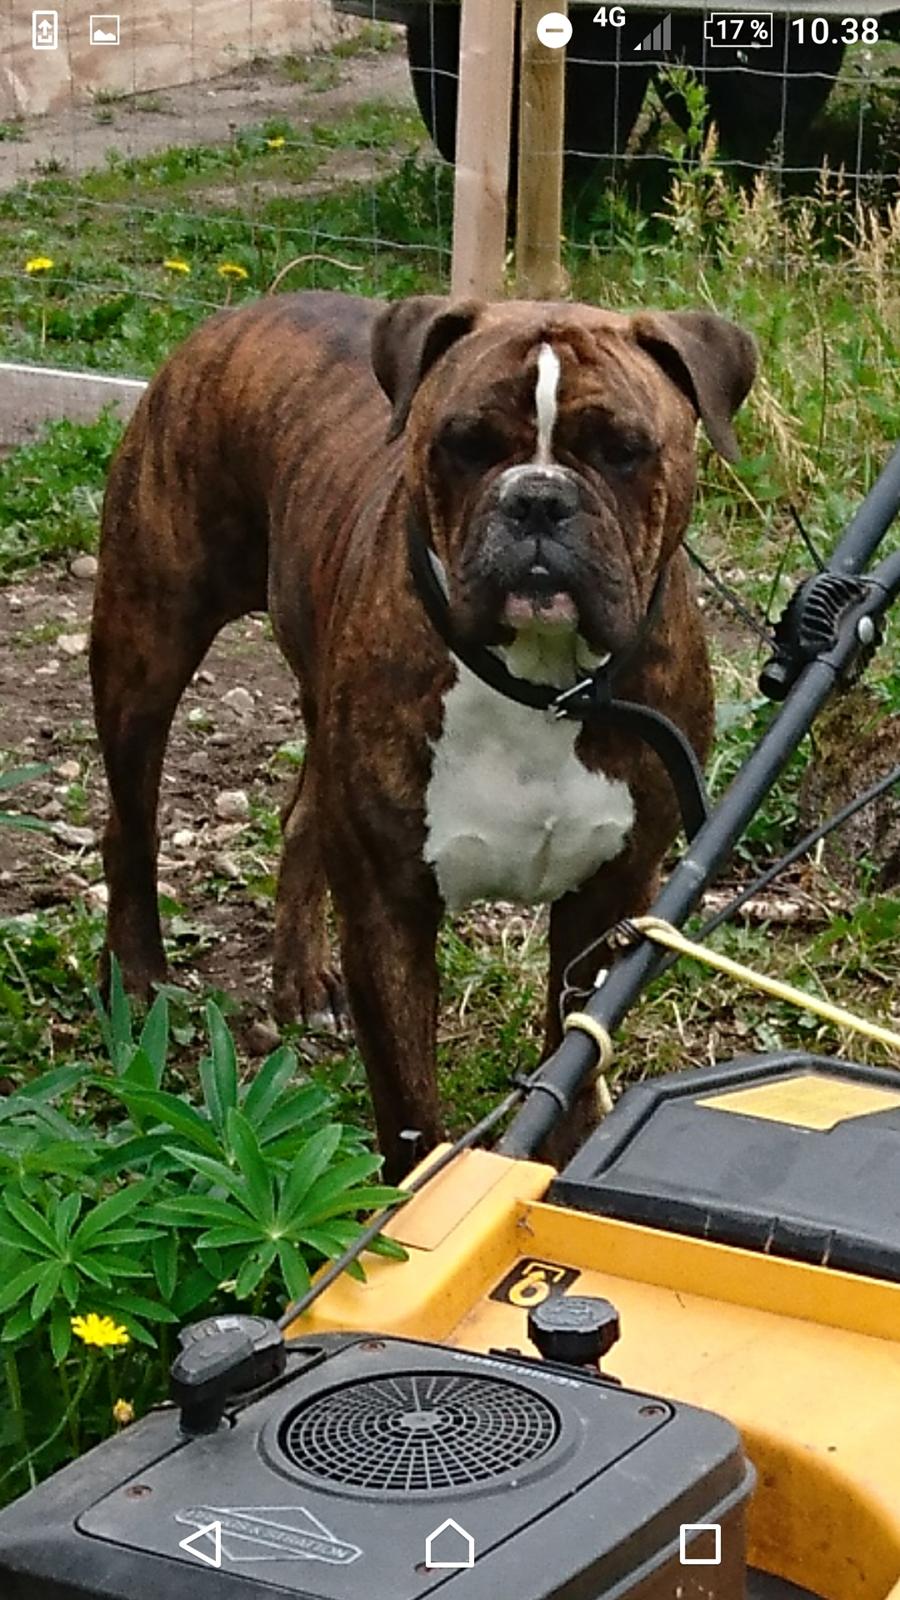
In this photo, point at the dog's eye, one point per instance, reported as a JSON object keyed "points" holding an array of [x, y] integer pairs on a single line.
{"points": [[611, 451], [622, 455], [474, 443]]}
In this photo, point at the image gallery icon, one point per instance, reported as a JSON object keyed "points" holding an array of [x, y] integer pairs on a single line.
{"points": [[104, 30], [44, 30]]}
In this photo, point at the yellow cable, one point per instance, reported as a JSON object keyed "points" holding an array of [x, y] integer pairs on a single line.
{"points": [[594, 1030], [664, 933], [603, 1040]]}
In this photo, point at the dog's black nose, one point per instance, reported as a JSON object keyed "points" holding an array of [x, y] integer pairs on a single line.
{"points": [[539, 498]]}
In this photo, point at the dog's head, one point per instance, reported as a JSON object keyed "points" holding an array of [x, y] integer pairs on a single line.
{"points": [[551, 447]]}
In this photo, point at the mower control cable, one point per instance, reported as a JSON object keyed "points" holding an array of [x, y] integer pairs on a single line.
{"points": [[750, 890], [525, 1083], [372, 1229]]}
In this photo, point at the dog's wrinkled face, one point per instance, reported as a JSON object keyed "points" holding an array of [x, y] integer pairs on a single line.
{"points": [[551, 451]]}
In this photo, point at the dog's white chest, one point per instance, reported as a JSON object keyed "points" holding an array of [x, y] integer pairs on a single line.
{"points": [[511, 812]]}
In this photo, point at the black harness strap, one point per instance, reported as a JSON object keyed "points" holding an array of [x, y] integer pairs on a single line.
{"points": [[590, 698]]}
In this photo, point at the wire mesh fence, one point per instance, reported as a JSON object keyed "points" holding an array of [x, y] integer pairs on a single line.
{"points": [[218, 152], [784, 89], [142, 193]]}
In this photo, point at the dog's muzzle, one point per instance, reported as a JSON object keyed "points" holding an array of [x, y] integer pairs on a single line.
{"points": [[534, 506]]}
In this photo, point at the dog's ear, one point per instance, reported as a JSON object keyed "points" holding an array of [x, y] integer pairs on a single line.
{"points": [[712, 361], [408, 338]]}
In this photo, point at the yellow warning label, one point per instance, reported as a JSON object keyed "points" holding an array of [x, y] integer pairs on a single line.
{"points": [[807, 1101]]}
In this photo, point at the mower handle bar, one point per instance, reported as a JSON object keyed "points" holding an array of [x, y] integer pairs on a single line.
{"points": [[554, 1087]]}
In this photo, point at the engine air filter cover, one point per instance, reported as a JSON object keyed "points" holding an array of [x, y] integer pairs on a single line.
{"points": [[419, 1433]]}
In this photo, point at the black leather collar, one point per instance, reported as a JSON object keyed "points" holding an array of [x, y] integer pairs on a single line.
{"points": [[590, 698]]}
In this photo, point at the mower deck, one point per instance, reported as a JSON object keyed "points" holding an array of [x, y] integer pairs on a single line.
{"points": [[805, 1360]]}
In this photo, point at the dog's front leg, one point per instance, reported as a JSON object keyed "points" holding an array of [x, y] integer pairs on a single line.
{"points": [[389, 958]]}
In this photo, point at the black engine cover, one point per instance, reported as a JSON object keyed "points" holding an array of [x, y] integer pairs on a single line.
{"points": [[331, 1484]]}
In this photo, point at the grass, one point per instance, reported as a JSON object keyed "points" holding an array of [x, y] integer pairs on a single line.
{"points": [[817, 279], [816, 276]]}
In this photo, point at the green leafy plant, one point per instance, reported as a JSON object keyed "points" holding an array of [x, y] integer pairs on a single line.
{"points": [[126, 1200], [14, 779], [50, 491]]}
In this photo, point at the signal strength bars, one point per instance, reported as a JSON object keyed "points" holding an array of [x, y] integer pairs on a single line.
{"points": [[660, 38]]}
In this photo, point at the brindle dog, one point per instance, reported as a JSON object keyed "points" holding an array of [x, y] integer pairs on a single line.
{"points": [[547, 453]]}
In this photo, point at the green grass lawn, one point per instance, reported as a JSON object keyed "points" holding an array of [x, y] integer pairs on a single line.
{"points": [[816, 277]]}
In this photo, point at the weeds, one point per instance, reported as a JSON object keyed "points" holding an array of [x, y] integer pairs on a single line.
{"points": [[126, 1208], [51, 491], [212, 1176]]}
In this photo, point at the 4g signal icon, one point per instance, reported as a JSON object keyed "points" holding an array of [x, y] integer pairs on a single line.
{"points": [[659, 38]]}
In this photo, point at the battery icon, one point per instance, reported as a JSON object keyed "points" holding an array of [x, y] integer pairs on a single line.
{"points": [[745, 30]]}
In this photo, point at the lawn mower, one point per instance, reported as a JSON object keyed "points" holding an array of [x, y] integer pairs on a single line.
{"points": [[669, 1371]]}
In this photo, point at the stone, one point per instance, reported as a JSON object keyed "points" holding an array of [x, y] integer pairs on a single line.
{"points": [[72, 644], [84, 567], [240, 701], [79, 838], [233, 805], [262, 1038], [183, 838], [69, 771]]}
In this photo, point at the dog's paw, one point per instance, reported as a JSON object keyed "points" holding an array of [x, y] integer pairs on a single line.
{"points": [[318, 1003]]}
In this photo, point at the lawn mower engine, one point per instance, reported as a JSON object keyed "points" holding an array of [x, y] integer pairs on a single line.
{"points": [[374, 1468]]}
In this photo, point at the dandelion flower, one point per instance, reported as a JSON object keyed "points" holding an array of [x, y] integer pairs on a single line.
{"points": [[232, 269], [101, 1331], [176, 266], [276, 144], [39, 264], [123, 1412]]}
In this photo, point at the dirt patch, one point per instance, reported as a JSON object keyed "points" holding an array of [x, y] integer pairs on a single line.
{"points": [[206, 113], [238, 711]]}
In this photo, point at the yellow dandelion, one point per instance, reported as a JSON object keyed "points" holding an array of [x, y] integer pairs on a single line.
{"points": [[39, 264], [276, 144], [232, 269], [123, 1413], [176, 266], [101, 1331]]}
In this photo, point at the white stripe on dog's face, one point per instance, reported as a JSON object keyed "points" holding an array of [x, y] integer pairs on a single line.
{"points": [[545, 402]]}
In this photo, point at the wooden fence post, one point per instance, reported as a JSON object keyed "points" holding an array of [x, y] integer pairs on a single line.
{"points": [[487, 41], [539, 271]]}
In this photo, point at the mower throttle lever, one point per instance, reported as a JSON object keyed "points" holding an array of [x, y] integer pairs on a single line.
{"points": [[219, 1357]]}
